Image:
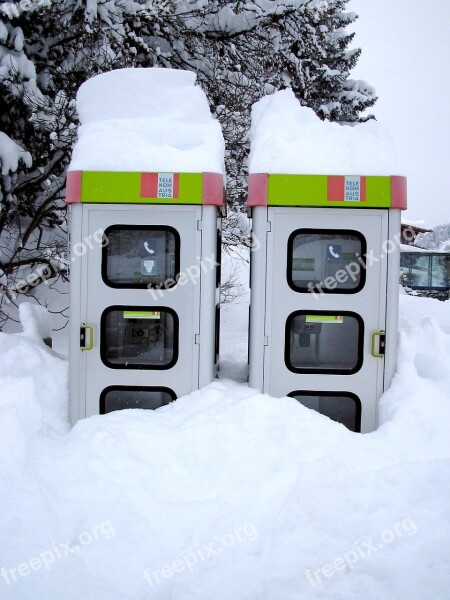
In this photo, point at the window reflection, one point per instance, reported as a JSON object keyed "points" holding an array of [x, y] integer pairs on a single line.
{"points": [[341, 407], [315, 257], [425, 270], [120, 398], [138, 339], [330, 342], [136, 256]]}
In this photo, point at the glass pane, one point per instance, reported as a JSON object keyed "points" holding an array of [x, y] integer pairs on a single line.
{"points": [[133, 338], [140, 256], [420, 270], [405, 268], [440, 271], [325, 342], [121, 398], [341, 408], [328, 258]]}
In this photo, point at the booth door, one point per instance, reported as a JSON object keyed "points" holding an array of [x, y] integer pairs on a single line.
{"points": [[326, 310], [141, 325]]}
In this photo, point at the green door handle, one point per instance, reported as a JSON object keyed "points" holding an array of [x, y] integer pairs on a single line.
{"points": [[381, 346], [83, 344]]}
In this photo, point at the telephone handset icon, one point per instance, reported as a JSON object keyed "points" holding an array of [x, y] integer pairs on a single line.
{"points": [[332, 252]]}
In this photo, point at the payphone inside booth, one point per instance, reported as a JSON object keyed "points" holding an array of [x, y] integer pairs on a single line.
{"points": [[144, 285], [324, 291]]}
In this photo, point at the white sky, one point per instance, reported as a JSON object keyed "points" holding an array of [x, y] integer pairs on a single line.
{"points": [[406, 57]]}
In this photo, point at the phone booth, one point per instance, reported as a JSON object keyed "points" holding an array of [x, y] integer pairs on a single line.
{"points": [[144, 286], [324, 290]]}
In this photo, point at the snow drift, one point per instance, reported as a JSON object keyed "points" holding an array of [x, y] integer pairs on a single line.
{"points": [[273, 500]]}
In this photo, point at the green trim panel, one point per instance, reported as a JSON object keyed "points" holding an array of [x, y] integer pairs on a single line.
{"points": [[125, 187], [312, 190]]}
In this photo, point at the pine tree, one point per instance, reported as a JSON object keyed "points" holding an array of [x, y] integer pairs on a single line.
{"points": [[239, 50]]}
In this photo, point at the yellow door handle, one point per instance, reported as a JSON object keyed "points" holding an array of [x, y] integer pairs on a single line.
{"points": [[83, 344], [381, 335]]}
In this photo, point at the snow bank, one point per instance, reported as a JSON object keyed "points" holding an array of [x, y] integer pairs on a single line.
{"points": [[289, 138], [33, 383], [146, 119], [35, 320], [228, 493]]}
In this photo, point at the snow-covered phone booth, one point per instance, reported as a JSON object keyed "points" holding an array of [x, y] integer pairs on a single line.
{"points": [[145, 188], [325, 211]]}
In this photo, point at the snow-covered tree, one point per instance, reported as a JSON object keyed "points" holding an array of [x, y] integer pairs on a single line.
{"points": [[239, 50]]}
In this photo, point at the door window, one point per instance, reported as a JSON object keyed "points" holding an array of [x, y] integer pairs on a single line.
{"points": [[326, 260], [136, 256], [324, 342], [121, 397], [134, 337], [342, 407]]}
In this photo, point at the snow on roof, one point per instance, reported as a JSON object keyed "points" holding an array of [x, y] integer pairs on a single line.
{"points": [[146, 120], [421, 224], [288, 138]]}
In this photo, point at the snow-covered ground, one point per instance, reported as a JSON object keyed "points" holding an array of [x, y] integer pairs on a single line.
{"points": [[227, 493]]}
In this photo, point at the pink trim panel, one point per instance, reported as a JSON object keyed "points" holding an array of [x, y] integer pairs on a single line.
{"points": [[213, 189], [176, 185], [149, 185], [335, 188], [258, 189], [73, 187], [399, 192], [363, 189]]}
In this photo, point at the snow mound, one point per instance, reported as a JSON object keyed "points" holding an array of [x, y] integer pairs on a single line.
{"points": [[146, 120], [35, 320], [288, 138], [228, 493]]}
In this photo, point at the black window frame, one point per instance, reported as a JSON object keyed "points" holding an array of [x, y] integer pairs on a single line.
{"points": [[141, 286], [306, 370], [339, 394], [132, 388], [121, 308], [309, 230]]}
